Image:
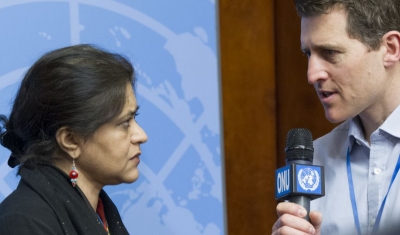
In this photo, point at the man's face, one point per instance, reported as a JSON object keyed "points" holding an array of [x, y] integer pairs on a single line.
{"points": [[348, 77]]}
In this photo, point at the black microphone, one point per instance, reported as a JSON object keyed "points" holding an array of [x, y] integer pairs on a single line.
{"points": [[299, 181]]}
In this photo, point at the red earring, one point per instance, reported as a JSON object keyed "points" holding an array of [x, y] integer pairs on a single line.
{"points": [[73, 174]]}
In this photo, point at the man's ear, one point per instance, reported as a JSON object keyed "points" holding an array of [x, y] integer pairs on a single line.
{"points": [[391, 41], [68, 142]]}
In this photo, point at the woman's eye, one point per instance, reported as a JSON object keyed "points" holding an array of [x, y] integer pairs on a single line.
{"points": [[126, 123]]}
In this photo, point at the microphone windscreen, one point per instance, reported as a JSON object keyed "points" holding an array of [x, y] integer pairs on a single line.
{"points": [[299, 145]]}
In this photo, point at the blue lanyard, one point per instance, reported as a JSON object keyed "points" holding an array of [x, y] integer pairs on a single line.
{"points": [[353, 197]]}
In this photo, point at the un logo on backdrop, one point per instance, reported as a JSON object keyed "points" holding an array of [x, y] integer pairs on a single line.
{"points": [[180, 187]]}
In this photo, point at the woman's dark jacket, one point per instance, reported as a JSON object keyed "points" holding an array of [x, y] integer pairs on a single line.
{"points": [[46, 203]]}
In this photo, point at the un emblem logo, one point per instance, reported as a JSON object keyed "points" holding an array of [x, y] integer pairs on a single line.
{"points": [[308, 179]]}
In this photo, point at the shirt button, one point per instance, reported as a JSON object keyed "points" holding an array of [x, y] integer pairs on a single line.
{"points": [[372, 221], [377, 171]]}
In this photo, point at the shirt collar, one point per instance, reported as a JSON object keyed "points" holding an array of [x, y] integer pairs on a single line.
{"points": [[391, 126], [356, 134]]}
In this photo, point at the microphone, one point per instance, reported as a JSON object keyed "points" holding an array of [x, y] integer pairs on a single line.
{"points": [[299, 181]]}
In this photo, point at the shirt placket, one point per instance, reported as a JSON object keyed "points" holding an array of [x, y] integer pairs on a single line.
{"points": [[376, 171]]}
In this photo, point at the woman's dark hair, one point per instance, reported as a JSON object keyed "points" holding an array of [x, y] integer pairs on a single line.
{"points": [[80, 86]]}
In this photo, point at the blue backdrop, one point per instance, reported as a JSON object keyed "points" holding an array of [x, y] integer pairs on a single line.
{"points": [[173, 47]]}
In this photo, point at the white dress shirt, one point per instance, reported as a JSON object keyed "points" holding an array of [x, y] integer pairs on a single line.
{"points": [[372, 168]]}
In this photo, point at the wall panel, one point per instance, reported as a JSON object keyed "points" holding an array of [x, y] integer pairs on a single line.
{"points": [[249, 120]]}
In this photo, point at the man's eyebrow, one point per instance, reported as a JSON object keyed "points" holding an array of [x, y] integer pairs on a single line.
{"points": [[321, 47]]}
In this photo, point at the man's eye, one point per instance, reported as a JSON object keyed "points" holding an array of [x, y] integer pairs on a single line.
{"points": [[329, 52], [307, 53]]}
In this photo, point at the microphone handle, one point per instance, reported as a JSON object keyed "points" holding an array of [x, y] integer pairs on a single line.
{"points": [[304, 202], [301, 200]]}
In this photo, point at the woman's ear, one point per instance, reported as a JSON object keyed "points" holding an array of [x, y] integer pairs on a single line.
{"points": [[391, 41], [68, 142]]}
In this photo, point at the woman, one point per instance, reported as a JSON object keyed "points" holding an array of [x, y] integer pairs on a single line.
{"points": [[71, 131]]}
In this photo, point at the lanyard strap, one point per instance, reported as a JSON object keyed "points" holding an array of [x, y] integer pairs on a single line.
{"points": [[353, 197]]}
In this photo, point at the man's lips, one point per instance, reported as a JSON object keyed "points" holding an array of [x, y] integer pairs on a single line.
{"points": [[325, 94]]}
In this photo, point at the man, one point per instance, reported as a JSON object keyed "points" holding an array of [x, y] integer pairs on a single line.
{"points": [[353, 49]]}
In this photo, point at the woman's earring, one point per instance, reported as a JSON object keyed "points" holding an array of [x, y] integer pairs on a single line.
{"points": [[73, 174]]}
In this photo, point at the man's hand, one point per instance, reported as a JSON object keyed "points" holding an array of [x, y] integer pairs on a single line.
{"points": [[291, 220]]}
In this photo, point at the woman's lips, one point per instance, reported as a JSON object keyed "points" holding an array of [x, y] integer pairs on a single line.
{"points": [[136, 156]]}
